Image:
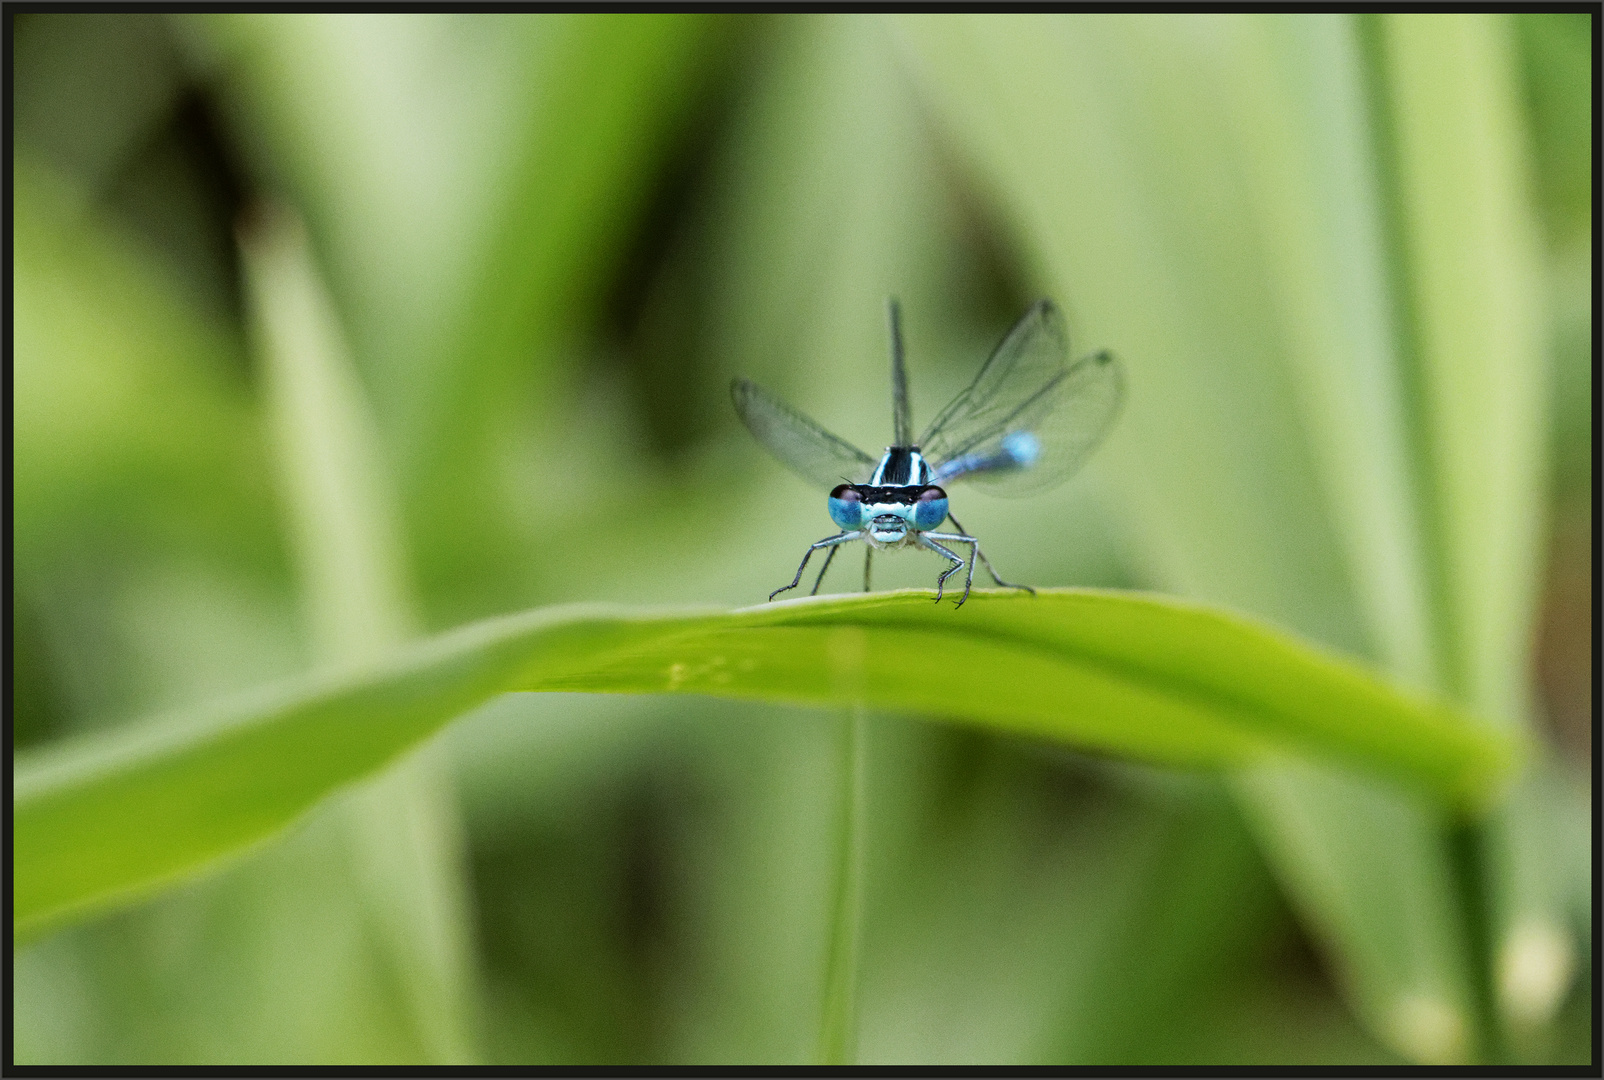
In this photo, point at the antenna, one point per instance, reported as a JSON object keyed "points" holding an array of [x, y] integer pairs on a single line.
{"points": [[901, 414]]}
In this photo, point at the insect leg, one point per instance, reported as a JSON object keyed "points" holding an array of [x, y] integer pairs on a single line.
{"points": [[957, 563], [829, 542], [987, 563], [828, 559], [974, 549]]}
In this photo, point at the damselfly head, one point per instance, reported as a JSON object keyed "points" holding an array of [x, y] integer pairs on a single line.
{"points": [[888, 514]]}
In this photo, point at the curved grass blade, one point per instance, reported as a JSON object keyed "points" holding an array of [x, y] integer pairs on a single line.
{"points": [[116, 816]]}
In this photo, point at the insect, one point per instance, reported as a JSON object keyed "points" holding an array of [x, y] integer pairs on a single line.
{"points": [[1027, 422]]}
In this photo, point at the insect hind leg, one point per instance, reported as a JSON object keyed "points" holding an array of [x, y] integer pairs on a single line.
{"points": [[828, 559]]}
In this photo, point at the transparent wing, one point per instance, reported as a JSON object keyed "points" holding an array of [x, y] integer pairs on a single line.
{"points": [[801, 445], [1030, 418]]}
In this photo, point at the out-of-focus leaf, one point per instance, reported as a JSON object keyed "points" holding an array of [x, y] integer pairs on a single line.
{"points": [[1195, 900], [1399, 948], [1198, 189], [1400, 959], [392, 133], [1061, 941], [402, 825], [838, 1027], [1136, 675], [88, 90], [268, 963], [1036, 909], [470, 181], [607, 98], [156, 513], [1470, 246], [1536, 856], [1557, 58], [128, 426], [1305, 150]]}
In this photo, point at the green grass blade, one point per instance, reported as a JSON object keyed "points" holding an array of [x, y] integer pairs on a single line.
{"points": [[401, 826], [329, 456], [838, 1031], [1470, 242], [1306, 151], [1399, 933], [1533, 852], [1141, 676], [1471, 247]]}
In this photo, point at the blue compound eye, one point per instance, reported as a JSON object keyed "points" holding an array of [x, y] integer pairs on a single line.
{"points": [[931, 509], [846, 507]]}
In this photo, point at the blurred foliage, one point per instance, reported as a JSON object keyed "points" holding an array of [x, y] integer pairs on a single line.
{"points": [[1346, 259]]}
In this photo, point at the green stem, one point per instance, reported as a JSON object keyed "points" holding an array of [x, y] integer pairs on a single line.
{"points": [[1467, 850], [838, 1029]]}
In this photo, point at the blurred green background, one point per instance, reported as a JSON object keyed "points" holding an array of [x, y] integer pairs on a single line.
{"points": [[1346, 260]]}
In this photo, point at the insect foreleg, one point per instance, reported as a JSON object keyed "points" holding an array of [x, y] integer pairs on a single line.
{"points": [[987, 563], [957, 563], [827, 542], [974, 548]]}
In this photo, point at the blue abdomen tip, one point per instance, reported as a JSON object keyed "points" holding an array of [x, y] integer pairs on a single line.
{"points": [[1023, 447]]}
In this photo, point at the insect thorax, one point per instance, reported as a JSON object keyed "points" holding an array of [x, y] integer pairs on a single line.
{"points": [[901, 466]]}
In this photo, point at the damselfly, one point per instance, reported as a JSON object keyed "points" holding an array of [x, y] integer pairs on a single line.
{"points": [[1027, 422]]}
